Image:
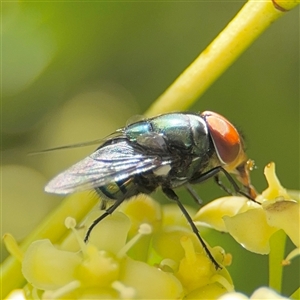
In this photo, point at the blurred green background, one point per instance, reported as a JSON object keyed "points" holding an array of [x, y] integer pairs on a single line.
{"points": [[75, 71]]}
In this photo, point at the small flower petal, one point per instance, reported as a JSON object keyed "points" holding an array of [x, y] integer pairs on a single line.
{"points": [[275, 189], [150, 282], [210, 291], [151, 212], [211, 214], [251, 230], [167, 242], [195, 269], [196, 272], [48, 268], [284, 215]]}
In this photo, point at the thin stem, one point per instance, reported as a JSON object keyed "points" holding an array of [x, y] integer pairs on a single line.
{"points": [[276, 256]]}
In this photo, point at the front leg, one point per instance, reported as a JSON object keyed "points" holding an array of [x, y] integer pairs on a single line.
{"points": [[214, 173], [221, 185]]}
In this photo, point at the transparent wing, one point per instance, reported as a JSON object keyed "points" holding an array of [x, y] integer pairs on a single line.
{"points": [[109, 163]]}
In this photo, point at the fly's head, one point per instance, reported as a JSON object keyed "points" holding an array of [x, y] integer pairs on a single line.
{"points": [[229, 147]]}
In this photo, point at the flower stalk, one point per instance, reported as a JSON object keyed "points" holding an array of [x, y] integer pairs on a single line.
{"points": [[276, 256]]}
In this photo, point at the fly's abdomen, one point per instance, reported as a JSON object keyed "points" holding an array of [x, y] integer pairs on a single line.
{"points": [[132, 186], [117, 190]]}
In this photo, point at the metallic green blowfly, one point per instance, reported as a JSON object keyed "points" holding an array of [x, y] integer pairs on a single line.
{"points": [[167, 151]]}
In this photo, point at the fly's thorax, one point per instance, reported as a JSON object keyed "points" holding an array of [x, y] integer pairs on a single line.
{"points": [[142, 134], [175, 128], [182, 136], [133, 131], [183, 131]]}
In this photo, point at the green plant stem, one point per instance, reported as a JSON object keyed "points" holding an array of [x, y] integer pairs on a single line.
{"points": [[252, 20], [276, 256]]}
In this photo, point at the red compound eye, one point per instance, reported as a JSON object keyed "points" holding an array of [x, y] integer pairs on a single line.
{"points": [[225, 137]]}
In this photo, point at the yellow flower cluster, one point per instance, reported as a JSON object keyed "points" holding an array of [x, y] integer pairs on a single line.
{"points": [[147, 251], [143, 251]]}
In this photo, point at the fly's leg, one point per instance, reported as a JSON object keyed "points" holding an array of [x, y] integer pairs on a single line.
{"points": [[214, 173], [194, 194], [234, 184], [109, 211], [103, 204], [172, 196], [221, 185]]}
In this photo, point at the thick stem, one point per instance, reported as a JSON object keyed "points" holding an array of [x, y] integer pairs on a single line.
{"points": [[252, 20]]}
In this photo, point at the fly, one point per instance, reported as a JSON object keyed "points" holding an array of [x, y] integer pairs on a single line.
{"points": [[166, 151]]}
